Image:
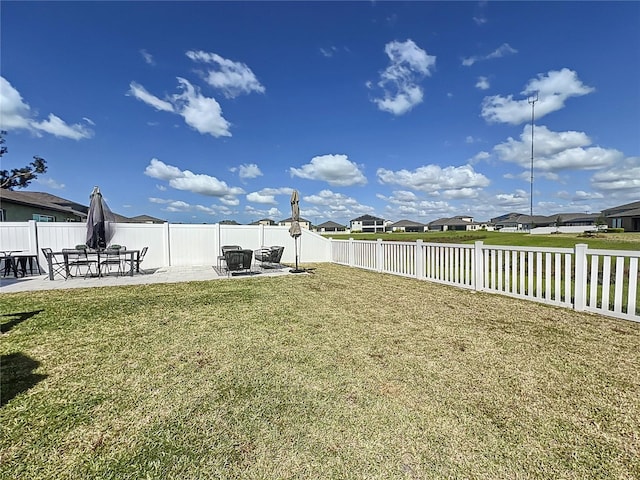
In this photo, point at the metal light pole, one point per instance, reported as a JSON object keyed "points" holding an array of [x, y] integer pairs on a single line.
{"points": [[532, 101]]}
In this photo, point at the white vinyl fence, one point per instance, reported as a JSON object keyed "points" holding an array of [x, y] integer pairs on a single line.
{"points": [[599, 281], [169, 244]]}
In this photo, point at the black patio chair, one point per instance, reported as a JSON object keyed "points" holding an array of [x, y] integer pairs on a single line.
{"points": [[78, 258], [276, 254], [111, 259], [238, 261], [58, 266], [136, 261]]}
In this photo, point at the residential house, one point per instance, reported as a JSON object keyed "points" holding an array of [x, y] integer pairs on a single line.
{"points": [[407, 226], [45, 207], [368, 224], [303, 223], [624, 216], [330, 227], [458, 223], [265, 221], [22, 206]]}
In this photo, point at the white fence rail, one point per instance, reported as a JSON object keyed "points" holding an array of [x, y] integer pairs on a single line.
{"points": [[169, 244], [600, 281]]}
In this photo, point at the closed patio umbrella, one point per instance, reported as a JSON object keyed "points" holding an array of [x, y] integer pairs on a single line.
{"points": [[99, 221], [295, 230]]}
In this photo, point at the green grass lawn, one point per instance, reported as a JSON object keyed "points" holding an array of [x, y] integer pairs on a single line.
{"points": [[343, 374], [612, 241]]}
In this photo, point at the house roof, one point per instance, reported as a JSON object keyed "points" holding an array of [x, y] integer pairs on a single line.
{"points": [[291, 220], [407, 223], [450, 221], [367, 217], [144, 219], [44, 200], [629, 213], [619, 208], [330, 224], [263, 220]]}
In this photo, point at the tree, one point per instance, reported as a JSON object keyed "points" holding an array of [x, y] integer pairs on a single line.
{"points": [[20, 177]]}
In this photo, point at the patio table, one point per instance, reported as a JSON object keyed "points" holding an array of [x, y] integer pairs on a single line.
{"points": [[133, 257], [16, 261]]}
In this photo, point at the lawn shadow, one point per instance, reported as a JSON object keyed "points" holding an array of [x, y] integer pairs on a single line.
{"points": [[17, 375], [16, 318]]}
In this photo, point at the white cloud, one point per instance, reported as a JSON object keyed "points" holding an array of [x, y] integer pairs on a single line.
{"points": [[139, 92], [233, 78], [189, 181], [501, 51], [336, 170], [623, 178], [148, 58], [518, 199], [409, 64], [250, 170], [553, 89], [332, 205], [433, 178], [256, 213], [257, 197], [483, 83], [88, 120], [555, 151], [56, 126], [15, 114], [50, 182], [201, 113]]}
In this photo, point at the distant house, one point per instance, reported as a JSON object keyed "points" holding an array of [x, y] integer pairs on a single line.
{"points": [[303, 223], [229, 222], [264, 221], [458, 223], [520, 222], [39, 206], [367, 224], [624, 216], [330, 227], [141, 219], [407, 226]]}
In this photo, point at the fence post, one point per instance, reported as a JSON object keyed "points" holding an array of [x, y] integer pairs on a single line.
{"points": [[167, 245], [478, 275], [580, 277], [331, 250], [351, 255], [33, 238], [261, 235], [379, 255], [420, 270]]}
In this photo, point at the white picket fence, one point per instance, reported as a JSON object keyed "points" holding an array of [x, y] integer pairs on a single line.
{"points": [[599, 281]]}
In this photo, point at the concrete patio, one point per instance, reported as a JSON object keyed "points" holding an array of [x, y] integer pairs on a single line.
{"points": [[161, 275]]}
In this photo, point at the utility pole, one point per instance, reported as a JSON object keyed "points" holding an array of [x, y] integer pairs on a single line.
{"points": [[532, 101]]}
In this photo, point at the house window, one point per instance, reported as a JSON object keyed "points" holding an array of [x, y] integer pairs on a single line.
{"points": [[43, 218]]}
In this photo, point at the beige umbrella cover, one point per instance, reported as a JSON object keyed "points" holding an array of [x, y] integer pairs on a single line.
{"points": [[294, 230]]}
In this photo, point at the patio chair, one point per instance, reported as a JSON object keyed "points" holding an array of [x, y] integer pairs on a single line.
{"points": [[78, 258], [110, 259], [58, 266], [136, 262]]}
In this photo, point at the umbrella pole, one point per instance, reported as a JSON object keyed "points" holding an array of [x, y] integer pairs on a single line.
{"points": [[296, 270]]}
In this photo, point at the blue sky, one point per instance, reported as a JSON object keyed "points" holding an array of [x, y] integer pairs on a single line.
{"points": [[206, 111]]}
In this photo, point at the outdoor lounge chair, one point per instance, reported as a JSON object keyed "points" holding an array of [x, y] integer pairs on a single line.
{"points": [[238, 261], [269, 257]]}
